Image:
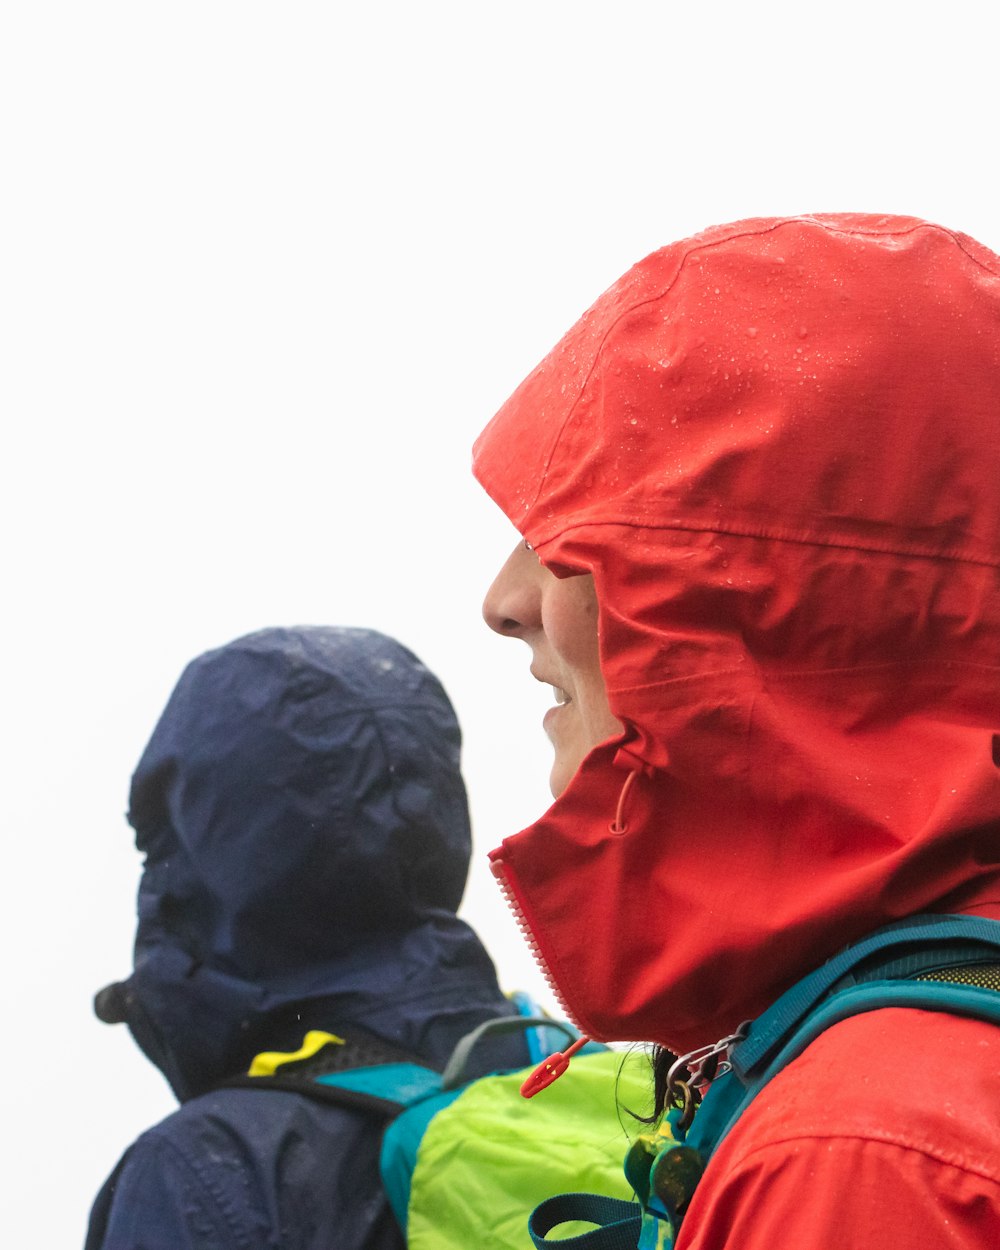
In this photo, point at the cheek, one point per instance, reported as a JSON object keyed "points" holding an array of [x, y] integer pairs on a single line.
{"points": [[572, 630], [571, 626], [599, 722]]}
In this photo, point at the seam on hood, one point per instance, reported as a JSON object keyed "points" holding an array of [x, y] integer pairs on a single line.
{"points": [[805, 674], [917, 551]]}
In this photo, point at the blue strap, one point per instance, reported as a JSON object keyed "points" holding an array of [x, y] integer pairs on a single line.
{"points": [[728, 1099], [949, 996], [400, 1147], [547, 1035], [770, 1029], [618, 1221], [403, 1083]]}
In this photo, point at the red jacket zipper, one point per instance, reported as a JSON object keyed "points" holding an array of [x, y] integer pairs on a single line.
{"points": [[556, 1064]]}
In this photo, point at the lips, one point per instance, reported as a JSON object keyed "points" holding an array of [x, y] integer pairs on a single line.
{"points": [[553, 714]]}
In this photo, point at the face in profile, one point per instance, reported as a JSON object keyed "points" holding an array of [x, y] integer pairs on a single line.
{"points": [[557, 618]]}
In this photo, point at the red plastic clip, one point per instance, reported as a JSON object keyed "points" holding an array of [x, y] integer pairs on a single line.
{"points": [[551, 1069]]}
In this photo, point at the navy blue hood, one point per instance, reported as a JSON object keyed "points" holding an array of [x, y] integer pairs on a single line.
{"points": [[307, 840]]}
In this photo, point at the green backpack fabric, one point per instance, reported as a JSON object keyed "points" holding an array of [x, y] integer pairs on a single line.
{"points": [[489, 1157], [465, 1162]]}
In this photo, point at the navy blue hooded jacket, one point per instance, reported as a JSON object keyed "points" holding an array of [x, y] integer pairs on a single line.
{"points": [[306, 835]]}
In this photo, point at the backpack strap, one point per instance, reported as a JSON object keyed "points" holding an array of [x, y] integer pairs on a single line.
{"points": [[456, 1069], [720, 1111], [924, 943], [360, 1071], [938, 955], [548, 1034], [618, 1221]]}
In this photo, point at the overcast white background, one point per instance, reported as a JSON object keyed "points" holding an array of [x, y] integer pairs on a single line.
{"points": [[265, 271]]}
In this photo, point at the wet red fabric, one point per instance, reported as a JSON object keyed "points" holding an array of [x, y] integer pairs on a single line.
{"points": [[774, 445]]}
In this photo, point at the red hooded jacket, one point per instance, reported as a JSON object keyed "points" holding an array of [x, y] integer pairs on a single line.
{"points": [[775, 448]]}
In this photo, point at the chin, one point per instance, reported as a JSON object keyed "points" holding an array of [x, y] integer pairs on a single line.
{"points": [[560, 777]]}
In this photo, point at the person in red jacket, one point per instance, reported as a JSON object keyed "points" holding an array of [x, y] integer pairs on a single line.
{"points": [[758, 485]]}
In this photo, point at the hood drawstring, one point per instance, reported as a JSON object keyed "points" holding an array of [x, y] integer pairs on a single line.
{"points": [[625, 759], [619, 825]]}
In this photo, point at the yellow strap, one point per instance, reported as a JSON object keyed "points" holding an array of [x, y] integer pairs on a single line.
{"points": [[267, 1061]]}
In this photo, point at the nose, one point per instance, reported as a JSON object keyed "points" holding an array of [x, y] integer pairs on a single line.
{"points": [[512, 603]]}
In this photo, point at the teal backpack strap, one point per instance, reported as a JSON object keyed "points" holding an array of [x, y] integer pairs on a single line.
{"points": [[926, 939], [618, 1222], [547, 1035], [862, 978], [729, 1097], [400, 1143], [359, 1071], [959, 1000]]}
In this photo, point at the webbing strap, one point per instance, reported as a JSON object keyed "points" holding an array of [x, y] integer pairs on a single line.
{"points": [[770, 1029], [728, 1099], [618, 1222], [947, 996]]}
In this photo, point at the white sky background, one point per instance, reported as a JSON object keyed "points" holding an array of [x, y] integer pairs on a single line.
{"points": [[265, 271]]}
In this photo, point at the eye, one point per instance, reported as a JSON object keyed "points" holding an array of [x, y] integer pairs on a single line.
{"points": [[528, 546]]}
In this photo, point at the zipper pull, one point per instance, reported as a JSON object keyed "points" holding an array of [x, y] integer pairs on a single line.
{"points": [[551, 1069]]}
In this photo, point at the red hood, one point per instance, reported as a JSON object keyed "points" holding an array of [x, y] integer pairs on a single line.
{"points": [[775, 446]]}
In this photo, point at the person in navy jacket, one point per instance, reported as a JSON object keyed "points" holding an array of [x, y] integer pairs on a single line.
{"points": [[306, 834]]}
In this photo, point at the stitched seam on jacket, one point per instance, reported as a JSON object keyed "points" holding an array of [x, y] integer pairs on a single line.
{"points": [[229, 1216]]}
